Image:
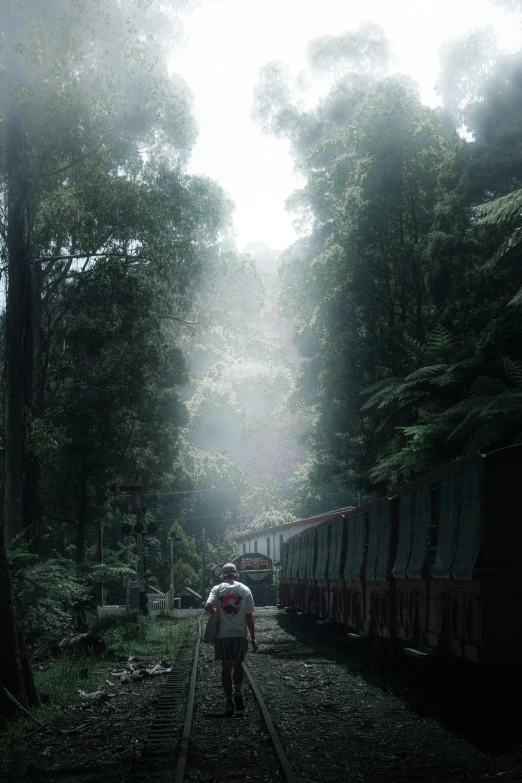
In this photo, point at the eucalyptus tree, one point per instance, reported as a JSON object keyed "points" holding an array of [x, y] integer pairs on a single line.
{"points": [[77, 81], [360, 282], [343, 68], [394, 262]]}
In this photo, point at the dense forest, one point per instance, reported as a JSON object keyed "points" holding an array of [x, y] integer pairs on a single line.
{"points": [[239, 389]]}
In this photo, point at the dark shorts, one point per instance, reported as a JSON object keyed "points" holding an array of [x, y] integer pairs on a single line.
{"points": [[231, 648]]}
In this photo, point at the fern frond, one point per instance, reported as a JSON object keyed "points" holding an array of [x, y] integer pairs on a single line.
{"points": [[379, 385], [426, 373], [104, 572], [494, 431], [486, 386], [469, 420], [513, 369], [504, 403], [448, 379], [441, 339], [517, 299], [465, 364], [509, 244], [502, 210]]}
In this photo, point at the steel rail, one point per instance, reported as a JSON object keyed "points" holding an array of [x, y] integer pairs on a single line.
{"points": [[185, 737], [281, 755]]}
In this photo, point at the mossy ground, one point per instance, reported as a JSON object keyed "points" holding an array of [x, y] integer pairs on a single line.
{"points": [[30, 753]]}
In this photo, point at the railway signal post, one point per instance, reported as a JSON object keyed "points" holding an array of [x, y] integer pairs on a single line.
{"points": [[135, 594]]}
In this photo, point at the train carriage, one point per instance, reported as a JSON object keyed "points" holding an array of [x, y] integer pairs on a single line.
{"points": [[294, 556], [335, 570], [353, 593], [435, 567], [409, 571], [379, 594], [320, 602], [306, 600], [284, 587]]}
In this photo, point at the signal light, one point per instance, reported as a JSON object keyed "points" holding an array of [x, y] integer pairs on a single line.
{"points": [[126, 529], [152, 527], [138, 527]]}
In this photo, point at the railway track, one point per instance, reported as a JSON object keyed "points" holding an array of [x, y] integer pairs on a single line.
{"points": [[166, 752], [340, 722]]}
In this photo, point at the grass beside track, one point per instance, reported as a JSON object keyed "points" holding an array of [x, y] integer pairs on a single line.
{"points": [[23, 742]]}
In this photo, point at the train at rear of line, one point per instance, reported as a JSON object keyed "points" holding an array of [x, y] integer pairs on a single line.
{"points": [[256, 571], [432, 570]]}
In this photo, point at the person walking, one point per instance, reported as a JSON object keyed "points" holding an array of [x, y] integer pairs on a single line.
{"points": [[235, 607]]}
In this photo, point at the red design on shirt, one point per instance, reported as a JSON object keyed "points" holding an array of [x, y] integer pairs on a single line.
{"points": [[231, 603]]}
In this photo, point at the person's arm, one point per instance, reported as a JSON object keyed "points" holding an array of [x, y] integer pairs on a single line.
{"points": [[210, 606], [250, 625]]}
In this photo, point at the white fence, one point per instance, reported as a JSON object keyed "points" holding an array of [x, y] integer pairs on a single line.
{"points": [[159, 602]]}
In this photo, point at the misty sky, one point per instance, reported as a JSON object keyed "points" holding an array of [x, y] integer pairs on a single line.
{"points": [[227, 41]]}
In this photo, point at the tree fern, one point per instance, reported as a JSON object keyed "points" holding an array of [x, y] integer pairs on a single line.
{"points": [[513, 371], [505, 209], [486, 386], [498, 429], [440, 342]]}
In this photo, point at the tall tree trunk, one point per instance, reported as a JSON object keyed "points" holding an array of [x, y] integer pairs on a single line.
{"points": [[17, 676], [83, 513], [19, 330], [32, 505]]}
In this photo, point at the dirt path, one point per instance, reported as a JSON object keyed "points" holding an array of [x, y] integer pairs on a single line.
{"points": [[336, 727], [227, 749]]}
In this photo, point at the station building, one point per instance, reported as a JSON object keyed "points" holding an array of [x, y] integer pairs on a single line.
{"points": [[269, 540]]}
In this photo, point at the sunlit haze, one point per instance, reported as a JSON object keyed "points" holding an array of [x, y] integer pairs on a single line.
{"points": [[228, 41]]}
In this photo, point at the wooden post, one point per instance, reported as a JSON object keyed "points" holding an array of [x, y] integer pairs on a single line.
{"points": [[203, 563], [99, 558], [172, 566]]}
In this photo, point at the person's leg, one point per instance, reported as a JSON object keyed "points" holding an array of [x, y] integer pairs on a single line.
{"points": [[238, 681], [237, 675], [226, 679]]}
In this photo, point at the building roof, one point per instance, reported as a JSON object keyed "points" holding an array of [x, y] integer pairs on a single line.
{"points": [[189, 590], [310, 520]]}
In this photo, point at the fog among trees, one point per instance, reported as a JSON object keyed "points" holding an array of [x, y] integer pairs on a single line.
{"points": [[243, 388]]}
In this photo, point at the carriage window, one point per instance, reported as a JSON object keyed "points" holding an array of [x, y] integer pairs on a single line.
{"points": [[268, 547], [255, 546], [280, 543], [244, 548]]}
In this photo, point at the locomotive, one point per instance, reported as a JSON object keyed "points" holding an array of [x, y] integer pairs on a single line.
{"points": [[434, 569], [256, 571]]}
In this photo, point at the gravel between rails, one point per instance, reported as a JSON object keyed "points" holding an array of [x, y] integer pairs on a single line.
{"points": [[335, 726], [227, 749]]}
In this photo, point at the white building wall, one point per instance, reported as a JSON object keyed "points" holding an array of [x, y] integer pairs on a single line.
{"points": [[258, 542]]}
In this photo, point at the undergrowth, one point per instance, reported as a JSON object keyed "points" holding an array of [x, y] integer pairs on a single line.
{"points": [[60, 680]]}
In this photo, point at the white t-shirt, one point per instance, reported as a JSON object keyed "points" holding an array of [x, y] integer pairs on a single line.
{"points": [[233, 602]]}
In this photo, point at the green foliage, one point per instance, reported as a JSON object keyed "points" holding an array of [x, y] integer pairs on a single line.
{"points": [[395, 288], [271, 518], [122, 627], [48, 594], [506, 209]]}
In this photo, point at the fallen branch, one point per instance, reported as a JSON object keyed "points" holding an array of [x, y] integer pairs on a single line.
{"points": [[21, 707]]}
